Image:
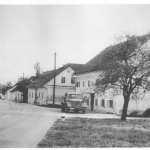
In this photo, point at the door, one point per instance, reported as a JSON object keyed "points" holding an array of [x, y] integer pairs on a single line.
{"points": [[92, 101]]}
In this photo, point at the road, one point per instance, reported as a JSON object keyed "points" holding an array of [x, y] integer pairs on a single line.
{"points": [[24, 125]]}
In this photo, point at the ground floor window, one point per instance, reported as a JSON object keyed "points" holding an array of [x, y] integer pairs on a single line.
{"points": [[78, 84], [96, 102], [110, 103], [103, 103], [32, 95]]}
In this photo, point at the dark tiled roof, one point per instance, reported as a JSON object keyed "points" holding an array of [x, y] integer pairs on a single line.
{"points": [[95, 63], [14, 89], [48, 75]]}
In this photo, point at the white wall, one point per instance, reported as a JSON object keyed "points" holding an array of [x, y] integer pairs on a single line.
{"points": [[139, 104], [67, 73], [31, 95], [59, 93], [42, 96], [85, 78]]}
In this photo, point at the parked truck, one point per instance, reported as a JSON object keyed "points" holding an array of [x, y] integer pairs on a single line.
{"points": [[73, 102]]}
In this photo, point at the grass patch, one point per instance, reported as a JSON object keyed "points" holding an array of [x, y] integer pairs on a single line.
{"points": [[89, 133]]}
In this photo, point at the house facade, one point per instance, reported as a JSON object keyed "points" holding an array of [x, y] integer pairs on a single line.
{"points": [[41, 90], [13, 94], [85, 84], [109, 101]]}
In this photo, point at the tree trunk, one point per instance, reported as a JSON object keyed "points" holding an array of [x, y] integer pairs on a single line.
{"points": [[125, 108]]}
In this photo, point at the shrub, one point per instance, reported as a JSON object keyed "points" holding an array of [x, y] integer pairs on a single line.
{"points": [[134, 114], [146, 113]]}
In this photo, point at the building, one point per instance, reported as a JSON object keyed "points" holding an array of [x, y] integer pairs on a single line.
{"points": [[14, 94], [40, 91], [85, 84], [109, 101]]}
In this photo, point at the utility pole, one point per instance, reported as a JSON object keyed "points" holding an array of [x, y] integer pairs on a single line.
{"points": [[54, 79]]}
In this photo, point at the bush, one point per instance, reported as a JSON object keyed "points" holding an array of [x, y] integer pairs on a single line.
{"points": [[133, 113], [146, 113]]}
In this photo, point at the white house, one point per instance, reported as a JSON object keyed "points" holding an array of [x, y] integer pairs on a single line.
{"points": [[85, 84], [41, 90], [13, 94], [109, 101]]}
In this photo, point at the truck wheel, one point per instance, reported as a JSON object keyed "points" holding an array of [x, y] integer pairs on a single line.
{"points": [[83, 111]]}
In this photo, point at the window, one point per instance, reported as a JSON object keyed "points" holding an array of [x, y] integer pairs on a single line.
{"points": [[96, 103], [39, 94], [78, 84], [83, 83], [88, 83], [110, 103], [63, 79], [73, 80], [87, 101], [42, 95], [32, 95], [29, 95], [103, 103]]}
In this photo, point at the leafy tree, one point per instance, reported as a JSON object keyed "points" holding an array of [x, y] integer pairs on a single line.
{"points": [[22, 86], [126, 67], [6, 87]]}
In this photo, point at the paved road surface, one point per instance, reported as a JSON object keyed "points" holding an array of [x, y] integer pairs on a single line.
{"points": [[24, 125]]}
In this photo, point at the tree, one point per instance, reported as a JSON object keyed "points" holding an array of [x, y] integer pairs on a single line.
{"points": [[6, 87], [126, 66], [37, 69], [22, 86]]}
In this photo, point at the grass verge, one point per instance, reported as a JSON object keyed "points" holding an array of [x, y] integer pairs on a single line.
{"points": [[90, 133]]}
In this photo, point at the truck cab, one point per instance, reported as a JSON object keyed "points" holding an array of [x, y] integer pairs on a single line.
{"points": [[73, 102]]}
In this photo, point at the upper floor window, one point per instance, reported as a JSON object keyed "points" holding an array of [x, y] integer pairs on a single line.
{"points": [[72, 80], [88, 83], [78, 84], [110, 103], [39, 94], [63, 79]]}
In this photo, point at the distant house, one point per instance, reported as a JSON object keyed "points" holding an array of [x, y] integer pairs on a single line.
{"points": [[13, 94], [1, 94], [109, 101], [41, 90]]}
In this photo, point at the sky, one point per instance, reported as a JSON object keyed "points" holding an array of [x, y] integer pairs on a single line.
{"points": [[77, 33]]}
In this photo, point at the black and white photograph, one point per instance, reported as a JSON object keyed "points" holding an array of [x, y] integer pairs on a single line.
{"points": [[74, 75]]}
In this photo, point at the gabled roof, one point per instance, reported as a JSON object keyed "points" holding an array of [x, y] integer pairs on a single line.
{"points": [[95, 63], [49, 75], [14, 89]]}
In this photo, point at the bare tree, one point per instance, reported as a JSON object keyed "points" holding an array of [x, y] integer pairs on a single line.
{"points": [[37, 69], [126, 66]]}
